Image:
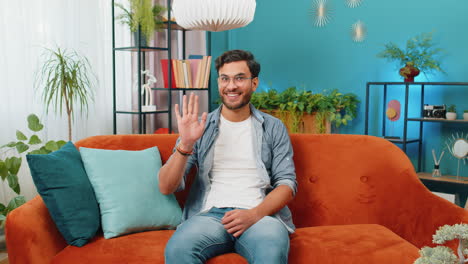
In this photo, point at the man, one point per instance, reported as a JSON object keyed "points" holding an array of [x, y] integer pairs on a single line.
{"points": [[245, 178]]}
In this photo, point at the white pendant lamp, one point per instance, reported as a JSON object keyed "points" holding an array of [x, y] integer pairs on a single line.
{"points": [[213, 15]]}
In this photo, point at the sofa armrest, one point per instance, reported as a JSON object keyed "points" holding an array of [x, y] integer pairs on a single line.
{"points": [[420, 213], [31, 235]]}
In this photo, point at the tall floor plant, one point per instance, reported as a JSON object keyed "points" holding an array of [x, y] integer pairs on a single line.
{"points": [[66, 80]]}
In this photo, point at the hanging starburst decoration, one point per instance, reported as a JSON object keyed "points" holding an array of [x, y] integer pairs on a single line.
{"points": [[321, 12], [353, 3], [358, 31]]}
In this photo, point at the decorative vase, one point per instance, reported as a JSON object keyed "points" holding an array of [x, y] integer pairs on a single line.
{"points": [[409, 72], [451, 116], [465, 116]]}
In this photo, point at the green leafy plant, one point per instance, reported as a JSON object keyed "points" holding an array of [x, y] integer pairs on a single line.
{"points": [[11, 157], [335, 107], [142, 15], [452, 108], [66, 79], [443, 254], [465, 111], [419, 51]]}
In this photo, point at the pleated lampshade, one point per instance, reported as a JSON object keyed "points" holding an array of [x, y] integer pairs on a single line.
{"points": [[213, 15]]}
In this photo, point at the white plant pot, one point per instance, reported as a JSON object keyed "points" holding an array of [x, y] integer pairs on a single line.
{"points": [[465, 116], [451, 116]]}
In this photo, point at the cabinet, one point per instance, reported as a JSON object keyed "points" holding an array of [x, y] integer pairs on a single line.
{"points": [[141, 51], [404, 140]]}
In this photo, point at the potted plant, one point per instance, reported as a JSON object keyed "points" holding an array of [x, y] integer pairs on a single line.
{"points": [[420, 55], [306, 112], [451, 112], [11, 156], [465, 115], [143, 17], [443, 254], [66, 80]]}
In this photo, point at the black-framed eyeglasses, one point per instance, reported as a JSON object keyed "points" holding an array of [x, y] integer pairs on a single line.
{"points": [[238, 80]]}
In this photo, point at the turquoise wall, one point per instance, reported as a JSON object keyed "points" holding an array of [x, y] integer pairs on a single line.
{"points": [[294, 52]]}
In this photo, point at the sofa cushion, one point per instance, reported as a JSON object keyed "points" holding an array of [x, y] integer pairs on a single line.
{"points": [[61, 180], [126, 187], [139, 248], [366, 243], [323, 244]]}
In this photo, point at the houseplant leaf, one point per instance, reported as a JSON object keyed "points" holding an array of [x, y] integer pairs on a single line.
{"points": [[9, 145], [34, 124], [20, 135], [60, 143], [13, 183], [42, 150], [13, 164], [51, 145], [15, 203], [34, 140], [2, 208], [3, 170], [21, 147]]}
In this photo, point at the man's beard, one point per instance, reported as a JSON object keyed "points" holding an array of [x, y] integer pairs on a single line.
{"points": [[245, 101]]}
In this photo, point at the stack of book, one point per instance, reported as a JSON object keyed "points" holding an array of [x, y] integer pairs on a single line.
{"points": [[191, 73]]}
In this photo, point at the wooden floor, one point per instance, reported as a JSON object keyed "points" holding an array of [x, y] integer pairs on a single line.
{"points": [[3, 257]]}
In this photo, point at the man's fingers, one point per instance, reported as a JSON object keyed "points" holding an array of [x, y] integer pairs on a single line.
{"points": [[195, 107], [203, 119], [184, 105], [190, 104], [234, 229], [238, 233], [227, 219], [230, 224], [177, 113]]}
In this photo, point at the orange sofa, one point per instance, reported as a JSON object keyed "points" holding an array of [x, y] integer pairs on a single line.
{"points": [[358, 201]]}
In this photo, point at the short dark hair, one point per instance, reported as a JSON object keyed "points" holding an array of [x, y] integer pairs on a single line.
{"points": [[239, 55]]}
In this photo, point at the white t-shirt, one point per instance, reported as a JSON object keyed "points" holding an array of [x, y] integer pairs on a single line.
{"points": [[235, 181]]}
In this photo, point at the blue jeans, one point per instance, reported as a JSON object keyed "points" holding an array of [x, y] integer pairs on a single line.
{"points": [[202, 237]]}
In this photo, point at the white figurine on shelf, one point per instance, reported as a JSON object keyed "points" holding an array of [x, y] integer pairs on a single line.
{"points": [[147, 93]]}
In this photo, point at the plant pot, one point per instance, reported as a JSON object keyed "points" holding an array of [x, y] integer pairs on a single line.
{"points": [[307, 124], [409, 72], [465, 116], [451, 116], [142, 39]]}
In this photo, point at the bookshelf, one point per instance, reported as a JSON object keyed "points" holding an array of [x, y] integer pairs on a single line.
{"points": [[404, 140], [140, 51]]}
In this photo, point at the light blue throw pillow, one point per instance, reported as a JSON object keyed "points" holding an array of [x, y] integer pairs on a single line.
{"points": [[126, 187]]}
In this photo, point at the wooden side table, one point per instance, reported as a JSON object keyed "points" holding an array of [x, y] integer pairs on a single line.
{"points": [[447, 184]]}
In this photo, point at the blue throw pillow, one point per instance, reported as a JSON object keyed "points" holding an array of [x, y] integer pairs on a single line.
{"points": [[126, 187], [61, 180]]}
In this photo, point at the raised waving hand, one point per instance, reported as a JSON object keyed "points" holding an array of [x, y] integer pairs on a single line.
{"points": [[190, 128]]}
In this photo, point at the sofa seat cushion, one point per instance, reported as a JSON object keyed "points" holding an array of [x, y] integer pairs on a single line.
{"points": [[322, 244], [365, 243], [139, 248]]}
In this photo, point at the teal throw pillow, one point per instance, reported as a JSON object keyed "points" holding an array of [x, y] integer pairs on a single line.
{"points": [[126, 187], [61, 180]]}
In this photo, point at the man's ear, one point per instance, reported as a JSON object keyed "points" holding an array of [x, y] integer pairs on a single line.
{"points": [[255, 83]]}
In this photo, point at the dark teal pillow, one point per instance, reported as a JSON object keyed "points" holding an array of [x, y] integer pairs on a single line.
{"points": [[61, 180]]}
